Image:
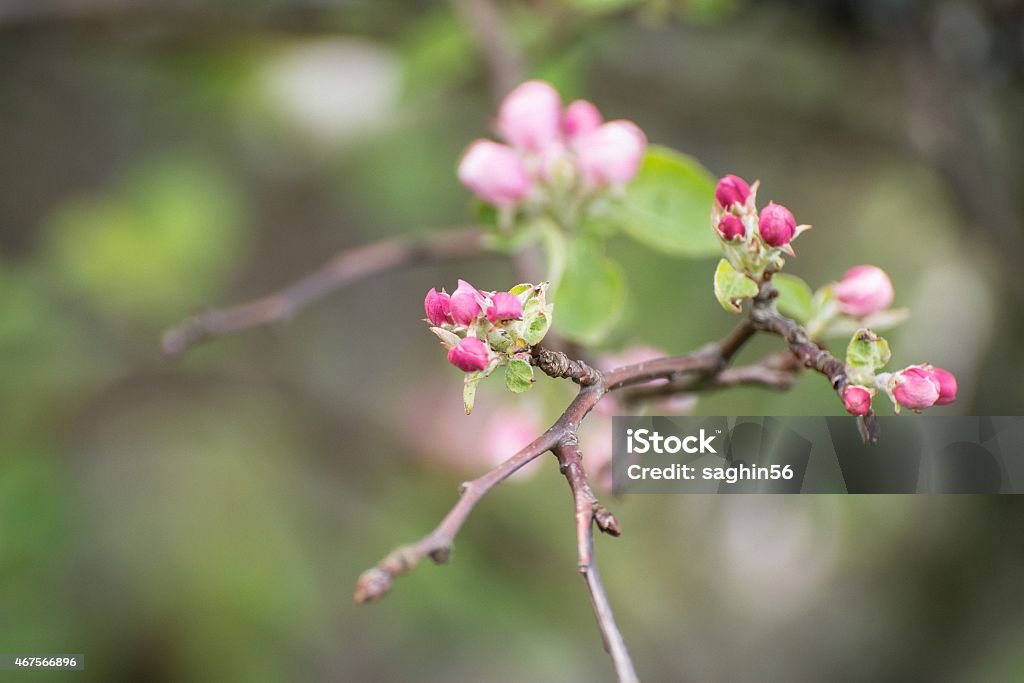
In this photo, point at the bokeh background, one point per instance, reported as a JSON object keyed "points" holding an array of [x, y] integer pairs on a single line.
{"points": [[206, 519]]}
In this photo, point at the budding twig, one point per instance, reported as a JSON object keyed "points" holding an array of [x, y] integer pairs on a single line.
{"points": [[561, 439], [346, 267], [765, 316], [705, 368]]}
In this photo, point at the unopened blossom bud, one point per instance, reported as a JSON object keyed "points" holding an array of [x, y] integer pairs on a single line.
{"points": [[731, 227], [610, 154], [438, 306], [947, 386], [470, 355], [504, 306], [776, 225], [530, 117], [856, 400], [495, 173], [580, 117], [915, 388], [465, 304], [731, 190], [864, 290]]}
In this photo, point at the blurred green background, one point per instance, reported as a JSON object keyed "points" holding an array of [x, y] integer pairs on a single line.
{"points": [[205, 520]]}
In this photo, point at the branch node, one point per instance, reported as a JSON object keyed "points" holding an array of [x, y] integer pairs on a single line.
{"points": [[441, 555], [558, 365], [373, 584], [606, 521]]}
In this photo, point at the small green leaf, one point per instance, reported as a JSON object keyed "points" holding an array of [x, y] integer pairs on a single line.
{"points": [[591, 295], [668, 203], [518, 376], [866, 353], [469, 390], [448, 339], [732, 287], [794, 297], [520, 289], [538, 328]]}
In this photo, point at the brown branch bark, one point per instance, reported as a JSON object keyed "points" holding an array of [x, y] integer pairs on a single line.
{"points": [[346, 267]]}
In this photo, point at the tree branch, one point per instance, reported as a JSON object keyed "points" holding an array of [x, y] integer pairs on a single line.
{"points": [[346, 267], [705, 368]]}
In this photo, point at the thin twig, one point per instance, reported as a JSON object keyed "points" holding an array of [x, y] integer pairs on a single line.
{"points": [[484, 23], [588, 512], [374, 583], [777, 372], [346, 267]]}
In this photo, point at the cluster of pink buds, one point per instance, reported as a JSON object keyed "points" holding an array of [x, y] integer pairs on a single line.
{"points": [[915, 387], [752, 239], [484, 331], [548, 145]]}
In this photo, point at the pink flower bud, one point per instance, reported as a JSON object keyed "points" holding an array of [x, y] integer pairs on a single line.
{"points": [[732, 190], [438, 306], [610, 154], [465, 304], [777, 225], [580, 117], [915, 388], [495, 173], [731, 227], [504, 306], [947, 386], [530, 117], [864, 290], [856, 400], [471, 354]]}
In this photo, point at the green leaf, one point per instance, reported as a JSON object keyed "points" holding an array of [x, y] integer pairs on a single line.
{"points": [[866, 353], [732, 287], [794, 297], [556, 250], [591, 295], [521, 289], [668, 204], [469, 390], [538, 329], [518, 376]]}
